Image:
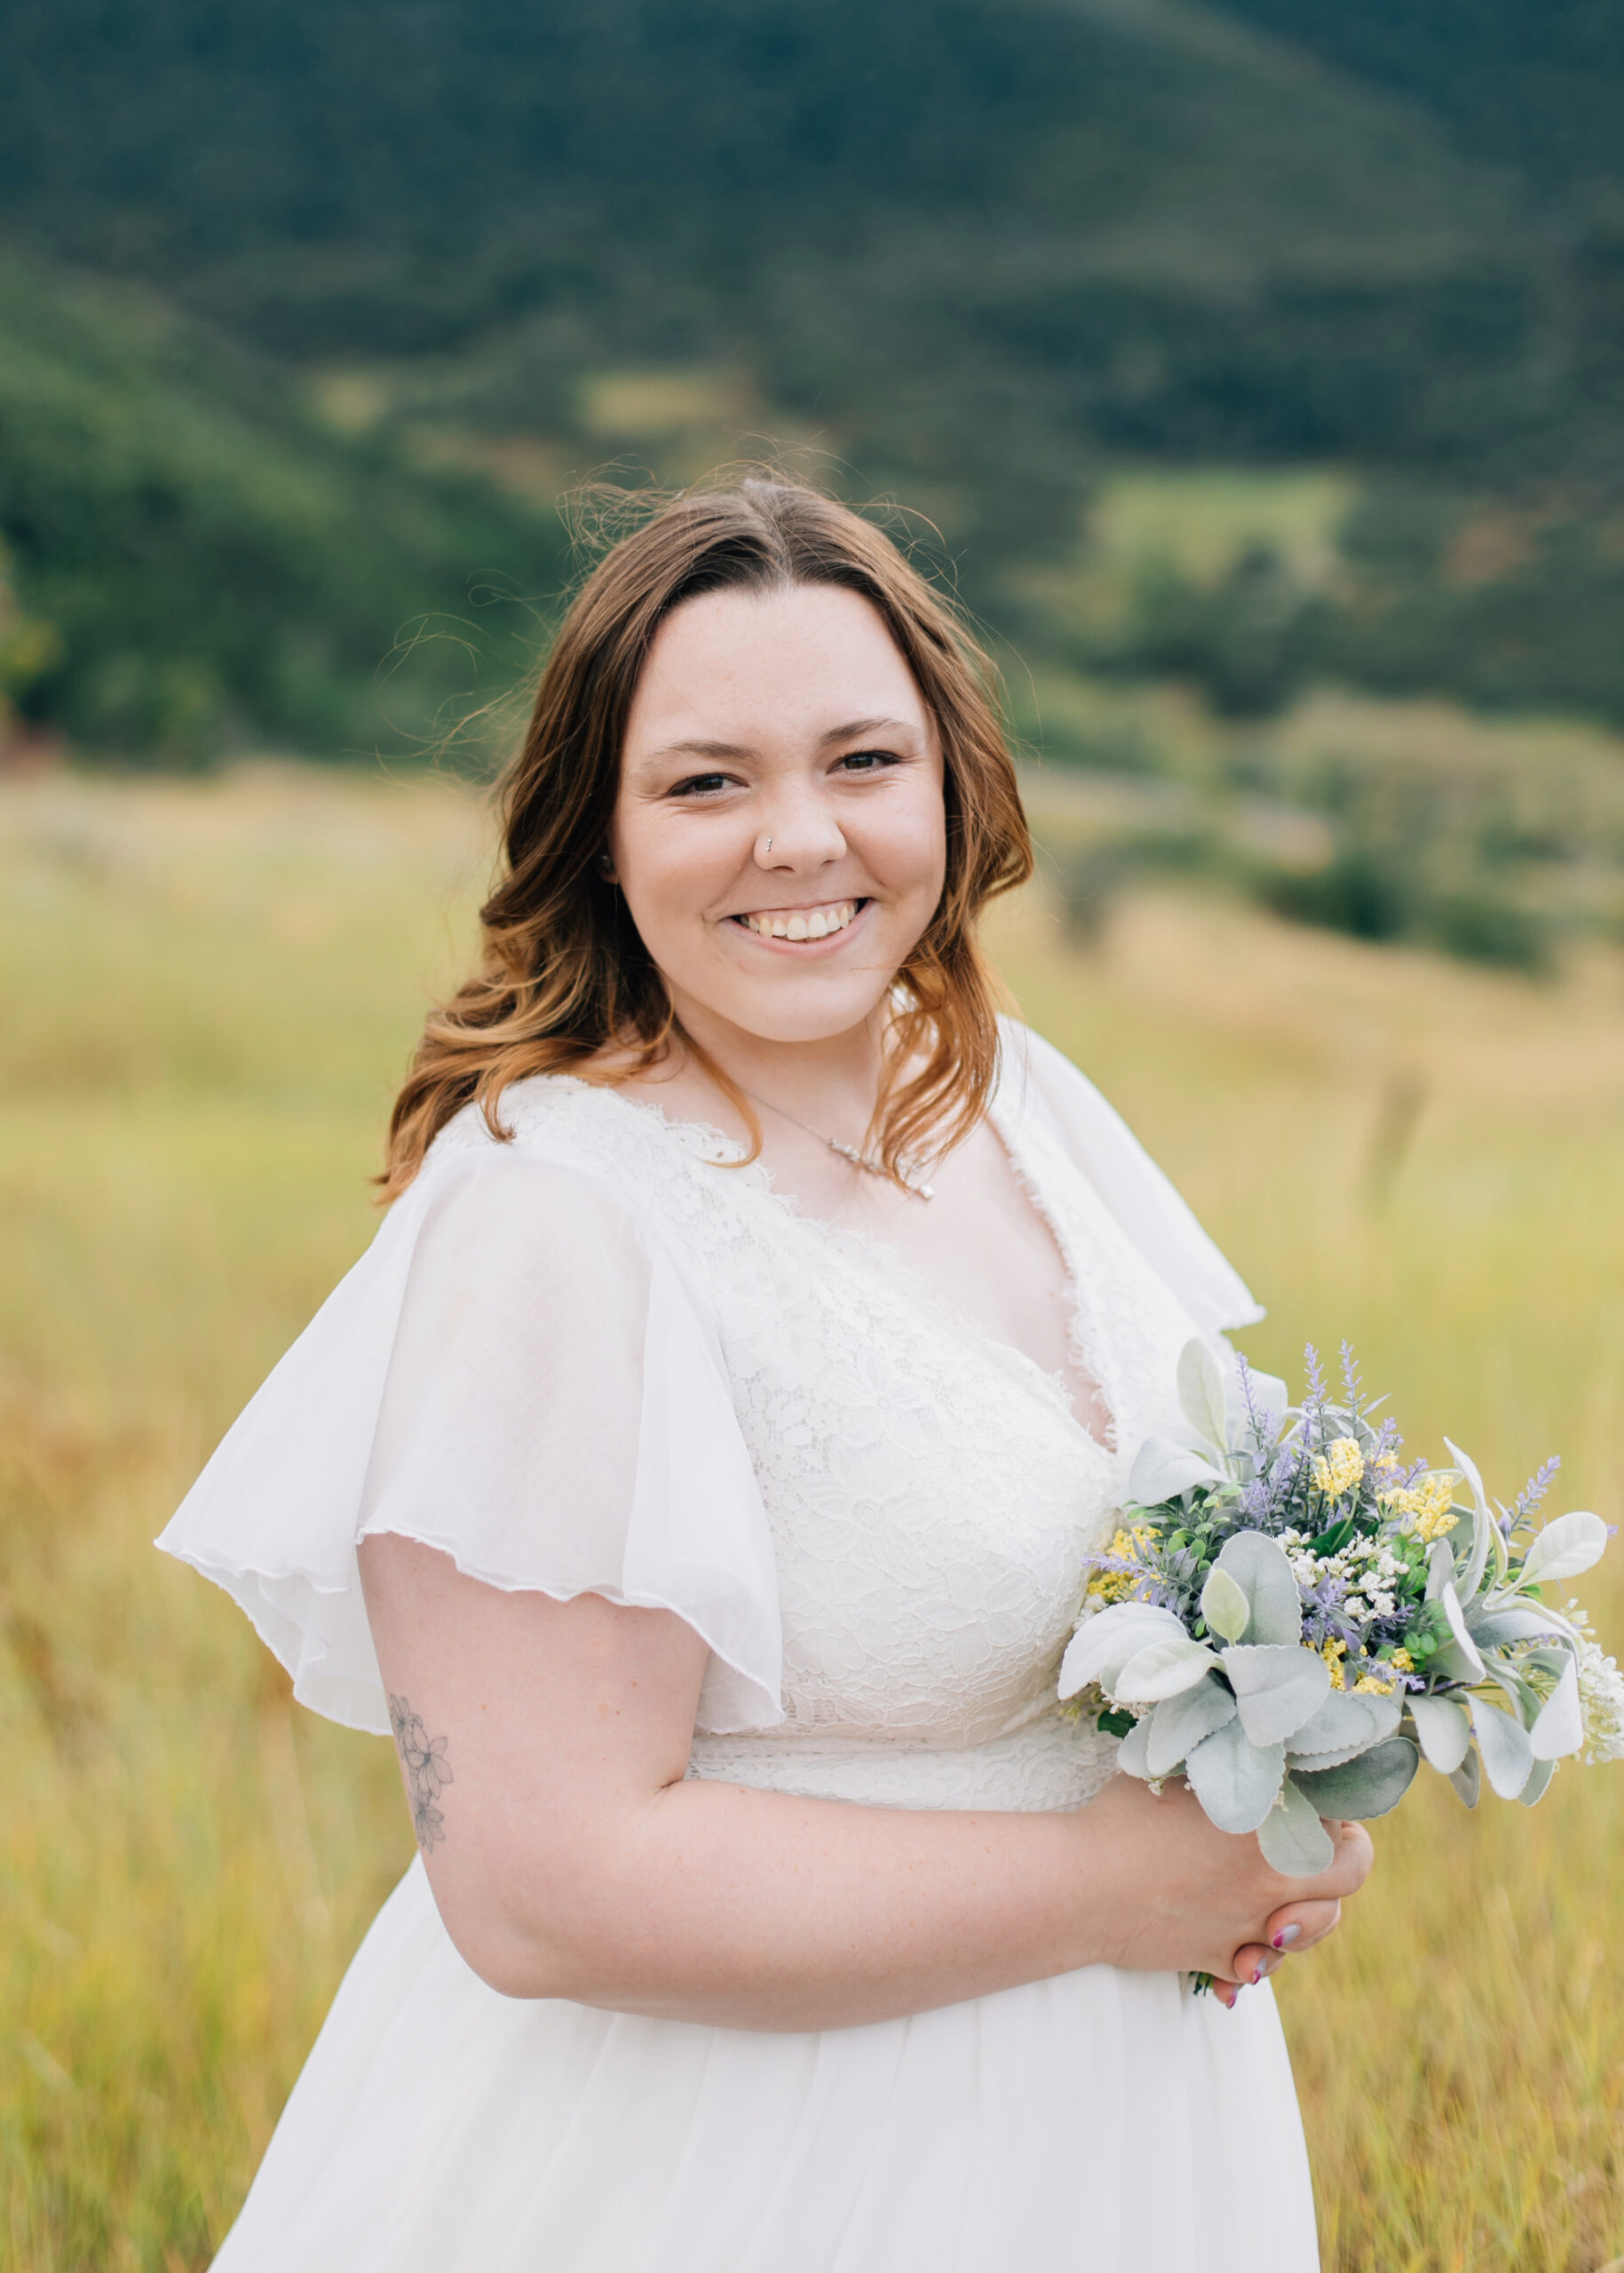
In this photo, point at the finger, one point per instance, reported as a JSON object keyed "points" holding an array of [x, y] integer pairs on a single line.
{"points": [[1348, 1868], [1254, 1964], [1226, 1992], [1298, 1926]]}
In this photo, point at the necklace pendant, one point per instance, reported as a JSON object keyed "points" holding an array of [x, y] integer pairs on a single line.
{"points": [[915, 1189]]}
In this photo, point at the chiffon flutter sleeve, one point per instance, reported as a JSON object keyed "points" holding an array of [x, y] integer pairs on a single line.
{"points": [[518, 1373], [1066, 1104]]}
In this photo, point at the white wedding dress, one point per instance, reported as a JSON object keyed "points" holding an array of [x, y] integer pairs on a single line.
{"points": [[597, 1360]]}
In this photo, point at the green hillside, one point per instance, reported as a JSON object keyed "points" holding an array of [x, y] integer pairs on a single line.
{"points": [[998, 229], [1531, 85], [967, 251], [206, 562]]}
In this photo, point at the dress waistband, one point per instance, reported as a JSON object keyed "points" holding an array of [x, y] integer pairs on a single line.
{"points": [[1051, 1764]]}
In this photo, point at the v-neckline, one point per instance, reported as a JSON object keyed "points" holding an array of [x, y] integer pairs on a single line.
{"points": [[701, 1139]]}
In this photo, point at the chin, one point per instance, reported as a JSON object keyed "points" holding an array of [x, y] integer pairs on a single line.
{"points": [[796, 1012]]}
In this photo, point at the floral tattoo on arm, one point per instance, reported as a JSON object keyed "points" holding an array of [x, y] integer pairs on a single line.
{"points": [[427, 1772]]}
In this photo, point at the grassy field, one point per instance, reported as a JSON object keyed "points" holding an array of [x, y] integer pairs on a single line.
{"points": [[207, 992]]}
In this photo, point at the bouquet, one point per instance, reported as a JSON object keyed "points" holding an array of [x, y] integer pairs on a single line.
{"points": [[1292, 1618]]}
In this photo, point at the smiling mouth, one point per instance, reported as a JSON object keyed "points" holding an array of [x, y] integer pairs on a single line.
{"points": [[819, 922]]}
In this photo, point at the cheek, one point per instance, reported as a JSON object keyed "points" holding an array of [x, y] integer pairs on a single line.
{"points": [[669, 875], [907, 850]]}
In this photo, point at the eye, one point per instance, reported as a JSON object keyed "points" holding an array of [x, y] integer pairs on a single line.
{"points": [[867, 761], [700, 785]]}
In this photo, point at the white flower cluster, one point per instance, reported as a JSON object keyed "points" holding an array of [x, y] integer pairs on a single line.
{"points": [[1601, 1701], [1368, 1566]]}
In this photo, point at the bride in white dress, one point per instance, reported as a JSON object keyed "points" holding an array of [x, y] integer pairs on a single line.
{"points": [[697, 1475]]}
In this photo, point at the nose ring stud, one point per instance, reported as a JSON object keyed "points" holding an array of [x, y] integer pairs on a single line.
{"points": [[769, 845]]}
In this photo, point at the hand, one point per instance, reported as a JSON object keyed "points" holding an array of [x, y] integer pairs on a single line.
{"points": [[1298, 1926], [1196, 1899]]}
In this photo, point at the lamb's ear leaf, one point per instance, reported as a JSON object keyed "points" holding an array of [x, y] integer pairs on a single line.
{"points": [[1445, 1732], [1538, 1783], [1567, 1546], [1386, 1711], [1294, 1839], [1162, 1469], [1560, 1727], [1441, 1568], [1483, 1524], [1180, 1722], [1342, 1726], [1224, 1604], [1130, 1752], [1468, 1649], [1262, 1570], [1201, 1395], [1165, 1666], [1508, 1754], [1370, 1786], [1277, 1688], [1468, 1780], [1235, 1779], [1522, 1621], [1103, 1644]]}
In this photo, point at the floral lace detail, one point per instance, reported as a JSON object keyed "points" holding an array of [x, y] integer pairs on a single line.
{"points": [[1051, 1764], [929, 1493]]}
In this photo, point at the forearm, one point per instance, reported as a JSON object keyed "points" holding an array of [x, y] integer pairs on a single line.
{"points": [[751, 1909], [543, 1746]]}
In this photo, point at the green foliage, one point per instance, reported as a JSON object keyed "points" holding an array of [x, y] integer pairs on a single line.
{"points": [[969, 241], [1533, 83], [965, 252], [209, 562], [1512, 601]]}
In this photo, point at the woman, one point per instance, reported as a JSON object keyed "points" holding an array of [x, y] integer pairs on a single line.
{"points": [[702, 1464]]}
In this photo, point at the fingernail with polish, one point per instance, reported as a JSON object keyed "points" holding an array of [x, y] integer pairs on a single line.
{"points": [[1284, 1939]]}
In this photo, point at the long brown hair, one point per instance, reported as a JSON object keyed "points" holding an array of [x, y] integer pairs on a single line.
{"points": [[565, 974]]}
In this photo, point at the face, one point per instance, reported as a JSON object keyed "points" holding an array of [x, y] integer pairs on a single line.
{"points": [[779, 834]]}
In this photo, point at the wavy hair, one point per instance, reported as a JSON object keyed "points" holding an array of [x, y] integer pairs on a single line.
{"points": [[564, 975]]}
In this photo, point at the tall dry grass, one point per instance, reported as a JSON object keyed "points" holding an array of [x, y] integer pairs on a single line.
{"points": [[206, 992]]}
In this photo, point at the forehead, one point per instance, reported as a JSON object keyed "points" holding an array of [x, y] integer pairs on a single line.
{"points": [[776, 667]]}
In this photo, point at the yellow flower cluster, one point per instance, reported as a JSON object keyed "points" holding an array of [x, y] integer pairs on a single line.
{"points": [[1378, 1681], [1339, 1468], [1426, 1506], [1117, 1586], [1372, 1684]]}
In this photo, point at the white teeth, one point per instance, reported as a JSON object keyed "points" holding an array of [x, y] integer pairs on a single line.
{"points": [[804, 923]]}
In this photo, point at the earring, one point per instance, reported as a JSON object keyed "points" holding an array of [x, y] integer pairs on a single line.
{"points": [[606, 866]]}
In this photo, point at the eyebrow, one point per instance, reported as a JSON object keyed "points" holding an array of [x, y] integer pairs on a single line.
{"points": [[852, 728]]}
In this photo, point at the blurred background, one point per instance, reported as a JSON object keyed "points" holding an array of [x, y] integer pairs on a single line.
{"points": [[1254, 372], [1227, 355]]}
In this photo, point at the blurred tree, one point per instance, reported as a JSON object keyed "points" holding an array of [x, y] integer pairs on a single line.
{"points": [[213, 564]]}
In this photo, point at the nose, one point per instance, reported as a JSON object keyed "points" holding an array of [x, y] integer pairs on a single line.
{"points": [[800, 833]]}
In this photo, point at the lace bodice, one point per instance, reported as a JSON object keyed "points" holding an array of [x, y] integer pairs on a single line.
{"points": [[930, 1494], [605, 1357]]}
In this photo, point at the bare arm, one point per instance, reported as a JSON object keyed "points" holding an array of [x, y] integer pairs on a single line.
{"points": [[545, 1746]]}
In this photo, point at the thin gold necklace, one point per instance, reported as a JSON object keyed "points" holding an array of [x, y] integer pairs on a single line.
{"points": [[864, 1161]]}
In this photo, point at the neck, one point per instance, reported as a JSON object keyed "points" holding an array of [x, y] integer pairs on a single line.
{"points": [[831, 1082]]}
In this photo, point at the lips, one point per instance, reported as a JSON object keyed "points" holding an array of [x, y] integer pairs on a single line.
{"points": [[819, 922]]}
